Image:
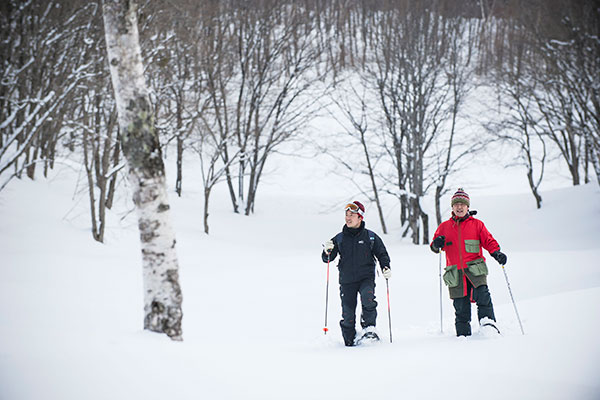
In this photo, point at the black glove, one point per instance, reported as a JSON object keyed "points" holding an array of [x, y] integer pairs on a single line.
{"points": [[439, 242], [500, 257]]}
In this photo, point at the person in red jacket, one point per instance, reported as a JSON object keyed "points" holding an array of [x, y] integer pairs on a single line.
{"points": [[462, 238]]}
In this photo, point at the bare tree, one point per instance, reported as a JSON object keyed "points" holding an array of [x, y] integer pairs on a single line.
{"points": [[91, 124], [162, 292], [174, 54], [101, 154], [43, 61], [410, 51], [459, 72], [213, 137], [555, 44], [270, 100], [522, 124], [570, 78], [210, 146], [353, 104], [559, 112]]}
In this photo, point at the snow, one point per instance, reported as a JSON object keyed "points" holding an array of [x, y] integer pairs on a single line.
{"points": [[71, 310]]}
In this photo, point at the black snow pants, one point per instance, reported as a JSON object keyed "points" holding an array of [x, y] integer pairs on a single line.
{"points": [[349, 293], [462, 305]]}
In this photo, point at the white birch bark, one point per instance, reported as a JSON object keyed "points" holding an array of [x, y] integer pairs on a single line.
{"points": [[139, 139]]}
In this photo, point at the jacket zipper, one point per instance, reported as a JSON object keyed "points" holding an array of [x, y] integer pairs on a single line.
{"points": [[460, 257]]}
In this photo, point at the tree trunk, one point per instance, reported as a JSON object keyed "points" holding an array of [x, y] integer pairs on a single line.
{"points": [[438, 209], [179, 165], [139, 140], [534, 191], [113, 180], [425, 222], [206, 199], [30, 169], [414, 219], [90, 182], [179, 180], [373, 184], [229, 179]]}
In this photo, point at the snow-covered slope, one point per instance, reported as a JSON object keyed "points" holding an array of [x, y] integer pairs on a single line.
{"points": [[254, 303]]}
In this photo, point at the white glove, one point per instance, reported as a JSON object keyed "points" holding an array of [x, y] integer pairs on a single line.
{"points": [[328, 246], [387, 272]]}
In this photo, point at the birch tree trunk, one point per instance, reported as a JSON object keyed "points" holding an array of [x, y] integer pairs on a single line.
{"points": [[139, 139]]}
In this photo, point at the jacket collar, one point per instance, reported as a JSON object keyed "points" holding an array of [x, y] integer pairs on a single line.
{"points": [[470, 213], [456, 219], [354, 231]]}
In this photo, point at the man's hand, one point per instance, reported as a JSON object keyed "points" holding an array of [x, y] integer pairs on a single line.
{"points": [[387, 272], [439, 242], [500, 257], [328, 246]]}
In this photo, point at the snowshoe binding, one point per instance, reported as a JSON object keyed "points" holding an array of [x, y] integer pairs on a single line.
{"points": [[488, 328], [369, 335]]}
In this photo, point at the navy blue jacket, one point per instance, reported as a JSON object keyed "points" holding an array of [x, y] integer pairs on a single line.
{"points": [[357, 256]]}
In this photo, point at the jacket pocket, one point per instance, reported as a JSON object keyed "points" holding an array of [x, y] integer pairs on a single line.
{"points": [[451, 278], [477, 267], [472, 246]]}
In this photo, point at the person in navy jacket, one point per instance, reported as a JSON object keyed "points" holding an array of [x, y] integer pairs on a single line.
{"points": [[357, 247]]}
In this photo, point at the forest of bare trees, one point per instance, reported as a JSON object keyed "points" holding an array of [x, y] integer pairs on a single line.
{"points": [[231, 81]]}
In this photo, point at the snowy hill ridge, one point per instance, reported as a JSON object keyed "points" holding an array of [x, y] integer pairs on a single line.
{"points": [[254, 302]]}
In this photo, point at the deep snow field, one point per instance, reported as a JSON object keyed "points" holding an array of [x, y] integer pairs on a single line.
{"points": [[254, 299]]}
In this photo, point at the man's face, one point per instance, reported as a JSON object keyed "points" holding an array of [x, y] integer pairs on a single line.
{"points": [[460, 209], [352, 219]]}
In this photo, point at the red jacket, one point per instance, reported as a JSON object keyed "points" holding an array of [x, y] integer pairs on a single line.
{"points": [[465, 238]]}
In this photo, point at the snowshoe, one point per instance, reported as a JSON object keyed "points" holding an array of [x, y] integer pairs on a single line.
{"points": [[368, 336], [488, 328]]}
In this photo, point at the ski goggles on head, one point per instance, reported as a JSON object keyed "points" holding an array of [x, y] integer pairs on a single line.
{"points": [[353, 208]]}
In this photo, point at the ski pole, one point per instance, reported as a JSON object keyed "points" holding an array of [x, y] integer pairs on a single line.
{"points": [[513, 300], [440, 273], [387, 283], [325, 329]]}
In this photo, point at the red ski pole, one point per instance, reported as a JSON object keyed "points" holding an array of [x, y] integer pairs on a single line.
{"points": [[325, 329]]}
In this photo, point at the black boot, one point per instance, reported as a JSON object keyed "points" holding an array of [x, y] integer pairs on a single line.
{"points": [[348, 333]]}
